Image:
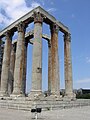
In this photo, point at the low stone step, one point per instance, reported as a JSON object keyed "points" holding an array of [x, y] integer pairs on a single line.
{"points": [[45, 105]]}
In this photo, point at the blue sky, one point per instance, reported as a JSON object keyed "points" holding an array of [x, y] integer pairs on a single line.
{"points": [[72, 13]]}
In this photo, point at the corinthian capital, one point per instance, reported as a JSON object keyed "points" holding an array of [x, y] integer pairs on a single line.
{"points": [[8, 34], [67, 37], [38, 17], [21, 27], [54, 28]]}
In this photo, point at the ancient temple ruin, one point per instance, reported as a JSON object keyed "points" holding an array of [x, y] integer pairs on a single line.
{"points": [[13, 75]]}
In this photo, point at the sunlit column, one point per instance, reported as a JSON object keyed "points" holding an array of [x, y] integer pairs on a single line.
{"points": [[25, 68], [55, 80], [49, 67], [6, 65], [11, 70], [36, 87], [19, 62], [68, 66]]}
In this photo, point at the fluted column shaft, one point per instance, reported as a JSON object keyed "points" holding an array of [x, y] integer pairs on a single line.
{"points": [[6, 65], [0, 62], [0, 78], [25, 69], [1, 57], [68, 66], [49, 67], [11, 70], [37, 55], [19, 62], [55, 82]]}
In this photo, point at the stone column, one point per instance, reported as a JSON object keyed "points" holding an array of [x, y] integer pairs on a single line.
{"points": [[37, 56], [6, 65], [49, 68], [68, 66], [11, 70], [1, 57], [55, 81], [25, 69], [0, 62], [19, 62]]}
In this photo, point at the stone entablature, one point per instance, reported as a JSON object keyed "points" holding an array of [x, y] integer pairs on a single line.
{"points": [[28, 18]]}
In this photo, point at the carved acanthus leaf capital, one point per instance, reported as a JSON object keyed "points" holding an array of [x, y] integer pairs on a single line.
{"points": [[67, 37], [21, 27], [8, 34], [54, 28], [38, 17]]}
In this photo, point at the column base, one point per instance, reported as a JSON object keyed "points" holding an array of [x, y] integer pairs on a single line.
{"points": [[13, 95], [35, 94], [70, 96], [55, 96], [4, 94]]}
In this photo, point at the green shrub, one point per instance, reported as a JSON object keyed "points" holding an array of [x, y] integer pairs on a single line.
{"points": [[83, 96]]}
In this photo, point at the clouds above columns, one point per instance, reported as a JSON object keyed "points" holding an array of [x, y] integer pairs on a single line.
{"points": [[11, 10]]}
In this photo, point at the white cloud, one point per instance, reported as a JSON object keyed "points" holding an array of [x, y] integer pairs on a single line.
{"points": [[34, 4], [87, 80], [42, 2], [14, 9], [51, 10], [88, 59], [83, 83]]}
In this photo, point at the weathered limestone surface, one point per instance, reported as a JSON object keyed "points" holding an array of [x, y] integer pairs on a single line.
{"points": [[0, 64], [55, 82], [49, 67], [24, 69], [28, 18], [68, 66], [37, 55], [6, 65], [11, 71], [19, 62], [1, 57], [30, 35]]}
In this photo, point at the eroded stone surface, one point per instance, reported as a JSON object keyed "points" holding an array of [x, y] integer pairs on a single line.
{"points": [[11, 71], [55, 80], [68, 66], [37, 56], [6, 65], [19, 62]]}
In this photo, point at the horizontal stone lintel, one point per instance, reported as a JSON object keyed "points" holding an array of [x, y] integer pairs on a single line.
{"points": [[28, 18], [30, 35]]}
